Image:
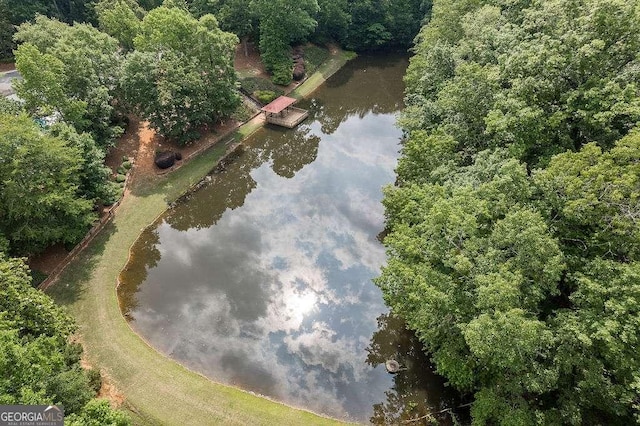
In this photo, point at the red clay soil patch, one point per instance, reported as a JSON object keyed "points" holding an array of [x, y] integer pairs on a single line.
{"points": [[126, 146], [107, 389], [138, 144]]}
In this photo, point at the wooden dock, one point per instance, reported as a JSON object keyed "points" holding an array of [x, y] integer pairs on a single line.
{"points": [[281, 112], [291, 119]]}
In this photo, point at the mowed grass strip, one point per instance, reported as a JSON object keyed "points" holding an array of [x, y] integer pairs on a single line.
{"points": [[322, 74], [157, 390]]}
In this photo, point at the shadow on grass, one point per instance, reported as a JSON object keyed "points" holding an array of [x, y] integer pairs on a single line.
{"points": [[71, 285], [173, 184]]}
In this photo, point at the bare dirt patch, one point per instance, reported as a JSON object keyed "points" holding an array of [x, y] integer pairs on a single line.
{"points": [[127, 146], [49, 259], [107, 388], [249, 65], [110, 392]]}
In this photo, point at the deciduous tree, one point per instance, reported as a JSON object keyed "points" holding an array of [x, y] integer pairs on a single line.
{"points": [[121, 19], [71, 70], [181, 75], [38, 364], [40, 199], [283, 22]]}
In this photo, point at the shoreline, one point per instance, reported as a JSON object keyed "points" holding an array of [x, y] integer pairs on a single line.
{"points": [[158, 389]]}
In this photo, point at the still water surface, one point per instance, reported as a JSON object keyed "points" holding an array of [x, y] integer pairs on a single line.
{"points": [[262, 277]]}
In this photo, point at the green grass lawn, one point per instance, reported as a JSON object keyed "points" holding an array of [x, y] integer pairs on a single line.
{"points": [[157, 389], [324, 71]]}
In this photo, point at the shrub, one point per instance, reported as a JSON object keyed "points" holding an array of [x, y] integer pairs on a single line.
{"points": [[120, 178], [70, 388], [113, 194], [265, 96], [95, 379], [72, 354], [127, 165], [282, 74]]}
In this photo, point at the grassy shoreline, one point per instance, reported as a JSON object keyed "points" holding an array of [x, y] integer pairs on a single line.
{"points": [[157, 389]]}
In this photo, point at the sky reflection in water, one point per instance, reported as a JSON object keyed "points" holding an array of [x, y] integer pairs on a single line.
{"points": [[262, 278]]}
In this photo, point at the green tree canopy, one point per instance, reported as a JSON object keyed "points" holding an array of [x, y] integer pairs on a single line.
{"points": [[376, 24], [95, 184], [38, 364], [181, 75], [121, 19], [72, 71], [522, 287], [513, 228], [16, 12], [39, 195], [283, 22], [539, 77]]}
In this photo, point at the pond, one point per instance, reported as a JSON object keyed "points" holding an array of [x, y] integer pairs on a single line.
{"points": [[262, 277]]}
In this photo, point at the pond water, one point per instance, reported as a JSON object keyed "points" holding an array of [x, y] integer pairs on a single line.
{"points": [[262, 277]]}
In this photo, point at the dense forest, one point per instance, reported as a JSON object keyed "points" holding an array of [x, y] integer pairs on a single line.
{"points": [[354, 24], [513, 236]]}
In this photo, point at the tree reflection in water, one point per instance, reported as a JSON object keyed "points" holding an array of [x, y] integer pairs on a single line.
{"points": [[227, 188], [416, 391], [135, 273]]}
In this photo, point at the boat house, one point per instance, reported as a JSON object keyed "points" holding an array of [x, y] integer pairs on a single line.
{"points": [[282, 112]]}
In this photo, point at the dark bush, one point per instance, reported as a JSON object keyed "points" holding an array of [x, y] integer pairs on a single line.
{"points": [[165, 159], [298, 72], [95, 379], [37, 277], [178, 156]]}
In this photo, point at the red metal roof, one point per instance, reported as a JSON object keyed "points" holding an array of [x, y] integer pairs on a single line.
{"points": [[279, 104]]}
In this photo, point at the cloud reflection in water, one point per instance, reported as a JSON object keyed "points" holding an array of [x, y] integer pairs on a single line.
{"points": [[274, 294]]}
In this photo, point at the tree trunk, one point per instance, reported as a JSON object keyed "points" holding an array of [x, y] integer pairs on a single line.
{"points": [[244, 43]]}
